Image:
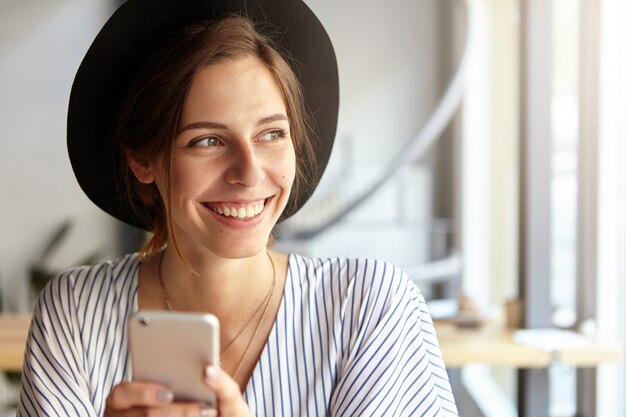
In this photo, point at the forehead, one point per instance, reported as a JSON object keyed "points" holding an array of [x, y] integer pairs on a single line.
{"points": [[233, 89]]}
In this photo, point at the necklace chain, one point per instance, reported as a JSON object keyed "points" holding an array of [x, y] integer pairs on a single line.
{"points": [[258, 326], [164, 292], [266, 301]]}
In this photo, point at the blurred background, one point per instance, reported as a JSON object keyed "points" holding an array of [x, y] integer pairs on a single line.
{"points": [[481, 147]]}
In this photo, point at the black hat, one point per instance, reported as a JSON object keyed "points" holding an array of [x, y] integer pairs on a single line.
{"points": [[131, 35]]}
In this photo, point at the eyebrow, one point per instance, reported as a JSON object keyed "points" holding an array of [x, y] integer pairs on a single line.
{"points": [[215, 125]]}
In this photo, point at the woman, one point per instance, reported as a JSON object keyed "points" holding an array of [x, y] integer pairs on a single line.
{"points": [[201, 123]]}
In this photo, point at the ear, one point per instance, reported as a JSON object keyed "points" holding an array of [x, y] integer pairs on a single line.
{"points": [[142, 170]]}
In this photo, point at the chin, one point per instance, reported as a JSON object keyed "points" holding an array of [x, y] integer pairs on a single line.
{"points": [[239, 248]]}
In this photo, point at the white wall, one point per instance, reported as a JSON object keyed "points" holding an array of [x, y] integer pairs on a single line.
{"points": [[388, 73], [41, 45], [388, 69]]}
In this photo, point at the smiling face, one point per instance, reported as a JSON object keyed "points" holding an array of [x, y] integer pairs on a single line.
{"points": [[233, 161]]}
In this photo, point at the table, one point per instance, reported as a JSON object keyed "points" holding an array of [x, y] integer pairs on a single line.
{"points": [[13, 334], [491, 345], [495, 345]]}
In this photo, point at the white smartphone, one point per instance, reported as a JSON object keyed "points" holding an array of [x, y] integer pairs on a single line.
{"points": [[173, 348]]}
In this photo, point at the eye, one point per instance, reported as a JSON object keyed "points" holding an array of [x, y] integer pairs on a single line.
{"points": [[208, 141], [272, 135]]}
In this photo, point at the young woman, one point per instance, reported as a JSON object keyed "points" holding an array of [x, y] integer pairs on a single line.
{"points": [[187, 121]]}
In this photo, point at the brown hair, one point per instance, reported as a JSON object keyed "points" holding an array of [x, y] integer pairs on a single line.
{"points": [[148, 119]]}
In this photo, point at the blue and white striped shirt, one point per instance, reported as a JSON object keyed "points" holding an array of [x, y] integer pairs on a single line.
{"points": [[351, 338]]}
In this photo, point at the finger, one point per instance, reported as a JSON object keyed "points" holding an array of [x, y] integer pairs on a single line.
{"points": [[139, 394], [184, 409], [229, 399], [207, 411]]}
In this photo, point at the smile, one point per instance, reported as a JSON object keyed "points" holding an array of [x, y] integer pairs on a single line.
{"points": [[237, 210]]}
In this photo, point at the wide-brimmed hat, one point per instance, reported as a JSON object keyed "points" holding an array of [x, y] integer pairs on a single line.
{"points": [[132, 34]]}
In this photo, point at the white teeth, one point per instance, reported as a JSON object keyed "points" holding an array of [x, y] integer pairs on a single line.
{"points": [[246, 212]]}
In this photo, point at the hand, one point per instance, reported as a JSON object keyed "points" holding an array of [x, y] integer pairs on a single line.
{"points": [[144, 399], [230, 402]]}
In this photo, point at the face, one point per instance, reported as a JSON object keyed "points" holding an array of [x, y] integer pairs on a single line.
{"points": [[233, 161]]}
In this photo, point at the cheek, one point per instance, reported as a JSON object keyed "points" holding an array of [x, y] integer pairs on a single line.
{"points": [[288, 169], [187, 179]]}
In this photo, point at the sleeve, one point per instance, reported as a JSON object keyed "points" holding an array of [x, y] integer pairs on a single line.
{"points": [[53, 383], [392, 364]]}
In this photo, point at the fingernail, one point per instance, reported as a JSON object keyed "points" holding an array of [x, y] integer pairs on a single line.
{"points": [[165, 396], [206, 411], [211, 372]]}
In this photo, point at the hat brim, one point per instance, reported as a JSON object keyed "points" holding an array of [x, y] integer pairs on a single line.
{"points": [[129, 36]]}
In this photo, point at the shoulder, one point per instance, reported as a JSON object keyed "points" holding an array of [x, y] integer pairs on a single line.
{"points": [[361, 282], [117, 270], [363, 272], [87, 284]]}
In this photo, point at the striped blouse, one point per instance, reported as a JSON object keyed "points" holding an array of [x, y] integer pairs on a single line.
{"points": [[351, 338]]}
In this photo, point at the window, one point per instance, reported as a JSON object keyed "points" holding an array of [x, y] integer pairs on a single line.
{"points": [[611, 269]]}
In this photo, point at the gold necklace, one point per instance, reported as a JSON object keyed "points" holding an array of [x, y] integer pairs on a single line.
{"points": [[258, 326], [266, 300]]}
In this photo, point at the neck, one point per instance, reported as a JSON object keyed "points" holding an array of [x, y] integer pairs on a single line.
{"points": [[214, 284]]}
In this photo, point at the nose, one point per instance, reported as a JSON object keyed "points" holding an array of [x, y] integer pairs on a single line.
{"points": [[245, 168]]}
